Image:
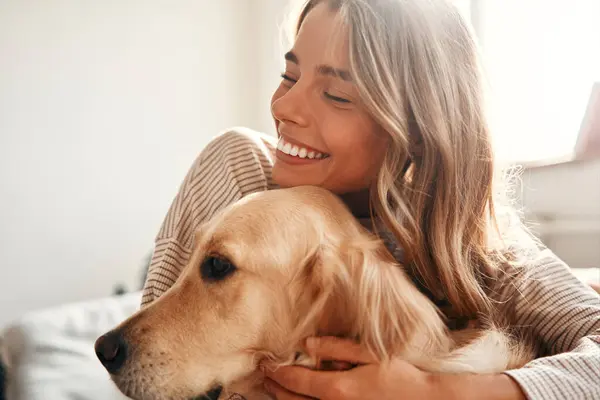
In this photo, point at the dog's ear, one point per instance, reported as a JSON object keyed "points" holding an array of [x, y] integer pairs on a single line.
{"points": [[355, 289], [390, 315], [320, 291]]}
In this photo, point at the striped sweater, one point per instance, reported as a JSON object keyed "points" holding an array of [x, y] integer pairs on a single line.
{"points": [[547, 301]]}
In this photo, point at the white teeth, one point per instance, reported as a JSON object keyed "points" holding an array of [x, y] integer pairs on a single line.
{"points": [[287, 148], [296, 151]]}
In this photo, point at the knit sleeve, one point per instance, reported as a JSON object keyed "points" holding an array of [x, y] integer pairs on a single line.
{"points": [[234, 164], [562, 314]]}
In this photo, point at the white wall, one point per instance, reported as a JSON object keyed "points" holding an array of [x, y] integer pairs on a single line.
{"points": [[103, 107], [270, 20]]}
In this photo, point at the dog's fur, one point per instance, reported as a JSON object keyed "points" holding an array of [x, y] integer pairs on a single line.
{"points": [[304, 266]]}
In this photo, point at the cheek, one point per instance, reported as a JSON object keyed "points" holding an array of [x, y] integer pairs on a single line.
{"points": [[358, 150], [246, 316]]}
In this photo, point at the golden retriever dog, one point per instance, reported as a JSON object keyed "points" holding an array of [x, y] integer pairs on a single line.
{"points": [[267, 272]]}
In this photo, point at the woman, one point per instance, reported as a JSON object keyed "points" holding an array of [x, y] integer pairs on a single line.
{"points": [[381, 103]]}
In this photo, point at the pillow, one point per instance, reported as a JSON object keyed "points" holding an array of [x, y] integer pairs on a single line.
{"points": [[50, 353]]}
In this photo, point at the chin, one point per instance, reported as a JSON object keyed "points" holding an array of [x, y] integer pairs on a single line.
{"points": [[286, 177]]}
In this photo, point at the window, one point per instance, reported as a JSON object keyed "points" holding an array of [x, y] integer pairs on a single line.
{"points": [[542, 59]]}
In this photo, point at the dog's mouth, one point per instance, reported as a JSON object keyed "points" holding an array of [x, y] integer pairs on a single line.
{"points": [[213, 394]]}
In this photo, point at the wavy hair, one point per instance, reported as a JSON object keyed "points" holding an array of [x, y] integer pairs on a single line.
{"points": [[416, 66]]}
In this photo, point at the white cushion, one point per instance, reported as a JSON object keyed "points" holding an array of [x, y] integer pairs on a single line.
{"points": [[51, 355]]}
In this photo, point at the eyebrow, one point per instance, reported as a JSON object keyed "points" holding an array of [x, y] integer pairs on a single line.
{"points": [[322, 69]]}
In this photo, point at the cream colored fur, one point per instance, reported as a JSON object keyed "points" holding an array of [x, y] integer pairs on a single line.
{"points": [[305, 267]]}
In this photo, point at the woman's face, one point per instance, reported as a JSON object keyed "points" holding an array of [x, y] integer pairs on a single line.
{"points": [[326, 137]]}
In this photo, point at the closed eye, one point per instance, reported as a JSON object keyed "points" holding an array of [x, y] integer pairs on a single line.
{"points": [[336, 98], [286, 77], [331, 97]]}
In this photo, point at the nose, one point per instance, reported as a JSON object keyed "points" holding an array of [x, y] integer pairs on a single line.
{"points": [[291, 107], [111, 350]]}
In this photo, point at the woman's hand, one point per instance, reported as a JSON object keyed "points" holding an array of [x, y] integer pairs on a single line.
{"points": [[396, 379]]}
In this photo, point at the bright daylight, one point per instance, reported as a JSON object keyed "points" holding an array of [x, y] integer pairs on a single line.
{"points": [[299, 199]]}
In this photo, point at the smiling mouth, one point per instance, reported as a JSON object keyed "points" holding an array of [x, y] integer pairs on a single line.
{"points": [[300, 152]]}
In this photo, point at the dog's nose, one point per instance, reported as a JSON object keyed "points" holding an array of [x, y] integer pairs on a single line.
{"points": [[111, 350]]}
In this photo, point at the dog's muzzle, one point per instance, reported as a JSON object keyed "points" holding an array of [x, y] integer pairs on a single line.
{"points": [[211, 395]]}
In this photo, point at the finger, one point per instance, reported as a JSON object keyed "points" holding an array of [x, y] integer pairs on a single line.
{"points": [[280, 393], [303, 381], [333, 348]]}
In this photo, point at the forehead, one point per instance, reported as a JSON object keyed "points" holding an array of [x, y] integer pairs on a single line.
{"points": [[322, 38], [271, 228], [253, 230], [245, 223]]}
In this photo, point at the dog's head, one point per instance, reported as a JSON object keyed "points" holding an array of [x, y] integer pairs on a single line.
{"points": [[267, 272]]}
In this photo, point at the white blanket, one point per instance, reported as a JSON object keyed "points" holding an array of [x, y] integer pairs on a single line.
{"points": [[50, 353]]}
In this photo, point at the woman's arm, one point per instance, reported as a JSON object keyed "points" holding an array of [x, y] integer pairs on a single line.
{"points": [[547, 299], [476, 387], [563, 315], [233, 165]]}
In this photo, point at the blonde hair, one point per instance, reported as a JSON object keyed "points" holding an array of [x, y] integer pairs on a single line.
{"points": [[416, 67]]}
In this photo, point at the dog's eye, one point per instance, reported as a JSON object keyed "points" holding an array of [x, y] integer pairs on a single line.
{"points": [[216, 268]]}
